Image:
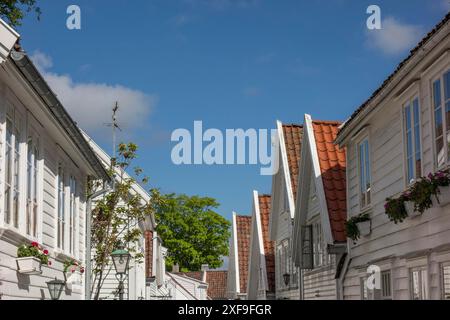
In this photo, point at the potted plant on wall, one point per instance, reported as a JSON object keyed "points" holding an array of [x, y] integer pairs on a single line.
{"points": [[398, 209], [358, 226], [421, 194], [441, 183], [30, 258], [73, 271]]}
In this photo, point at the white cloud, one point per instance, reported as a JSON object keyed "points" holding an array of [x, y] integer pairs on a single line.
{"points": [[90, 104], [394, 37]]}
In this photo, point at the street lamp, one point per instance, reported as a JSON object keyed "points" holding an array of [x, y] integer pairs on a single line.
{"points": [[55, 287], [121, 258]]}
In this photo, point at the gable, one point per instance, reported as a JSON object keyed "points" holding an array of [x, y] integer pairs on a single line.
{"points": [[243, 225]]}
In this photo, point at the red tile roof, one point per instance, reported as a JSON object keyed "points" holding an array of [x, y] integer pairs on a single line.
{"points": [[243, 225], [333, 168], [292, 140], [269, 251], [217, 284], [216, 280]]}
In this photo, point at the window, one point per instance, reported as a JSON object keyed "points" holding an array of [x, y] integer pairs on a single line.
{"points": [[72, 214], [12, 161], [419, 284], [386, 291], [364, 290], [411, 118], [364, 173], [441, 106], [32, 188], [61, 209], [446, 282], [320, 255]]}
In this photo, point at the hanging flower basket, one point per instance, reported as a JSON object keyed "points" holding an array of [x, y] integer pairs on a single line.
{"points": [[364, 227], [30, 258], [443, 197], [29, 265], [73, 272]]}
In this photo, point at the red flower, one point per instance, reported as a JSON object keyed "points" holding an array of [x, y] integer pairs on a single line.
{"points": [[73, 270], [46, 252], [35, 244], [82, 270], [49, 263]]}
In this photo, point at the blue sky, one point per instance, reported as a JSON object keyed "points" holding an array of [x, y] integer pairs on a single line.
{"points": [[231, 64]]}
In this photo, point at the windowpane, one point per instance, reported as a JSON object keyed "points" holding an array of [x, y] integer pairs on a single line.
{"points": [[8, 169], [446, 282], [386, 285], [419, 284], [417, 143], [440, 157]]}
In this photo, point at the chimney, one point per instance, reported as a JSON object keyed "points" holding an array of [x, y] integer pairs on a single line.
{"points": [[175, 268], [205, 268]]}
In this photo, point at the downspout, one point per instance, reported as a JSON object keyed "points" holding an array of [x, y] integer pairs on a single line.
{"points": [[88, 269]]}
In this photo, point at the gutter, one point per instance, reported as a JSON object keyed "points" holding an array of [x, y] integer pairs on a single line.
{"points": [[32, 75]]}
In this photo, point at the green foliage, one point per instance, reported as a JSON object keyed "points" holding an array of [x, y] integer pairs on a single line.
{"points": [[33, 250], [14, 10], [395, 208], [73, 265], [351, 226], [116, 216], [192, 231], [421, 193]]}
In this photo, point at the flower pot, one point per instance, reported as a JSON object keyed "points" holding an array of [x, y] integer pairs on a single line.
{"points": [[73, 277], [29, 265], [443, 198], [364, 227], [409, 206]]}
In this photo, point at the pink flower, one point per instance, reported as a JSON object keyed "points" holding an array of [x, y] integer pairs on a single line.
{"points": [[76, 263], [72, 270], [82, 270]]}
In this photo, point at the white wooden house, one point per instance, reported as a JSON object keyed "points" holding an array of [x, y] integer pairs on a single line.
{"points": [[319, 242], [238, 257], [135, 283], [395, 137], [261, 265], [44, 166], [284, 190]]}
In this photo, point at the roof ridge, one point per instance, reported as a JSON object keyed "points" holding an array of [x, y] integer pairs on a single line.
{"points": [[292, 125], [412, 53], [334, 122]]}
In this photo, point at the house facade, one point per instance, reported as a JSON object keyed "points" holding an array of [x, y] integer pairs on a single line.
{"points": [[397, 136], [45, 164], [238, 257], [135, 282], [261, 267], [284, 190], [319, 241]]}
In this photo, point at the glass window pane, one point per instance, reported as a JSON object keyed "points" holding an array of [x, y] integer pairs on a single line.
{"points": [[446, 282], [367, 159], [447, 85]]}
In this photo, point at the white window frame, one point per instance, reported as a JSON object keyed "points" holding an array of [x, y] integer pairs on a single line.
{"points": [[410, 103], [442, 277], [422, 273], [383, 294], [33, 218], [368, 194], [60, 241], [446, 147], [320, 256]]}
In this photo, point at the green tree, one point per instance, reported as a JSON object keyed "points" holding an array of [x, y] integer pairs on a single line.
{"points": [[116, 216], [192, 232], [14, 10]]}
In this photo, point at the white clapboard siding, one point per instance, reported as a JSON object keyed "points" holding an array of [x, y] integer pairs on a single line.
{"points": [[417, 242]]}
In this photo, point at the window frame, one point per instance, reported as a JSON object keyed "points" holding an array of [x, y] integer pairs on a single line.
{"points": [[390, 287], [442, 280], [446, 148], [409, 102], [37, 185], [420, 271], [368, 191]]}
